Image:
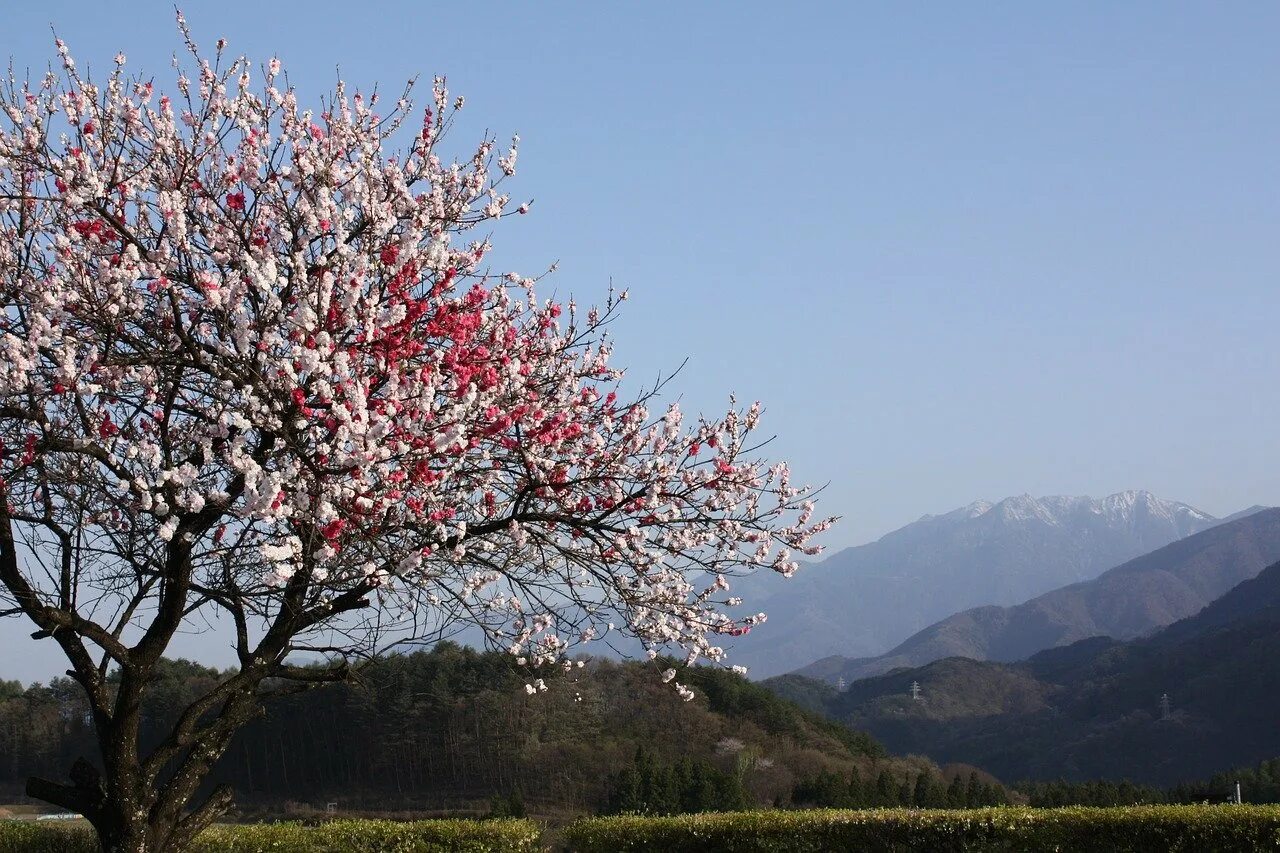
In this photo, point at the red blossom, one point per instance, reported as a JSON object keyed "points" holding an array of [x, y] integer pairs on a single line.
{"points": [[28, 451], [333, 529]]}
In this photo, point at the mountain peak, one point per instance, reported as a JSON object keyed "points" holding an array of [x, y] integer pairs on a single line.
{"points": [[977, 508], [1121, 508], [1025, 508]]}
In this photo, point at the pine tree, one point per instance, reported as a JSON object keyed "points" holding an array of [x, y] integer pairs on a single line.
{"points": [[886, 790], [921, 797], [856, 793], [685, 783], [625, 793], [956, 794], [973, 792]]}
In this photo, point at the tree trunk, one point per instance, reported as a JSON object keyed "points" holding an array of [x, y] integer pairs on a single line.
{"points": [[125, 824], [125, 829], [134, 815], [120, 817]]}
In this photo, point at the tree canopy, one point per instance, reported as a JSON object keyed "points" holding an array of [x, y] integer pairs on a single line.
{"points": [[254, 369]]}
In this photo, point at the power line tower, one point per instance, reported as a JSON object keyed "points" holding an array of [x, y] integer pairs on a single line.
{"points": [[1165, 707], [915, 690], [841, 684]]}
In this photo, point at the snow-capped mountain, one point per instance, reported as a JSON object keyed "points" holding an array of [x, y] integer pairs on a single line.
{"points": [[1138, 511], [863, 601]]}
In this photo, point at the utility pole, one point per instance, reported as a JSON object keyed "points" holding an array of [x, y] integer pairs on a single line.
{"points": [[915, 690], [1238, 798]]}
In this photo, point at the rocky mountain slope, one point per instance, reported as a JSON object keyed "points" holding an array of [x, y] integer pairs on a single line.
{"points": [[1128, 601], [865, 600]]}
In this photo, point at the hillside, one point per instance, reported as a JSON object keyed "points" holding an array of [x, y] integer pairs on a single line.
{"points": [[451, 728], [1128, 601], [1092, 709], [864, 601]]}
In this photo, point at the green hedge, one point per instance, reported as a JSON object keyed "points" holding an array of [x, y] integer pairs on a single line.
{"points": [[1134, 828], [356, 836]]}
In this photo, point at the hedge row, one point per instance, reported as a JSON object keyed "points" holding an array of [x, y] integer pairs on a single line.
{"points": [[345, 836], [1133, 828]]}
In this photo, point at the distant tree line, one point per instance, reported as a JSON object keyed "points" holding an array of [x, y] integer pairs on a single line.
{"points": [[687, 786], [925, 790], [1258, 784], [1098, 792], [42, 727]]}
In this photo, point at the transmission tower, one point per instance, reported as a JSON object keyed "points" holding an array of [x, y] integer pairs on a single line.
{"points": [[1165, 707], [915, 690]]}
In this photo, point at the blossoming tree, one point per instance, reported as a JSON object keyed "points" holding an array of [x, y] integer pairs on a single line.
{"points": [[253, 373]]}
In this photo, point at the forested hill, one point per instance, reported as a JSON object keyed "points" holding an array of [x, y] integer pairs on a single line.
{"points": [[1094, 709], [451, 728]]}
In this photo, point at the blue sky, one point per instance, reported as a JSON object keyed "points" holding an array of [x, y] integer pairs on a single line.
{"points": [[960, 251]]}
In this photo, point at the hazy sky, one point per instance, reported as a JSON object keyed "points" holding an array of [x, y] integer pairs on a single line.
{"points": [[960, 251]]}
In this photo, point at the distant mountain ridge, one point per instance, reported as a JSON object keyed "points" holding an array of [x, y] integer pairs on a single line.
{"points": [[865, 600], [1133, 599], [1195, 698]]}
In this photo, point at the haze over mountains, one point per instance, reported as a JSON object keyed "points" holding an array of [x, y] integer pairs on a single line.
{"points": [[865, 600], [1092, 709], [1140, 596]]}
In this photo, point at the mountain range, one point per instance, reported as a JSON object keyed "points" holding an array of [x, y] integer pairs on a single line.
{"points": [[864, 601], [1194, 698], [1140, 596]]}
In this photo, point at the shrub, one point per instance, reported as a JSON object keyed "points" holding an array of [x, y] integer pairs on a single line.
{"points": [[1191, 829], [32, 837], [343, 836]]}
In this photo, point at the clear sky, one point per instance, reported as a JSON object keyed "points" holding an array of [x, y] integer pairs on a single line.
{"points": [[960, 251]]}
